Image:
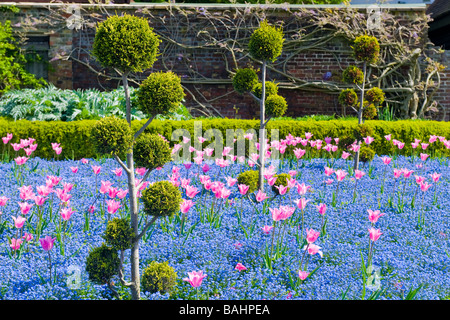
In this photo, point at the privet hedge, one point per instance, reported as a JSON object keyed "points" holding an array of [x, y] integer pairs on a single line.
{"points": [[75, 136]]}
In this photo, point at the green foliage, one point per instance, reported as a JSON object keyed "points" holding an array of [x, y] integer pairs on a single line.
{"points": [[271, 89], [102, 264], [366, 154], [12, 64], [266, 42], [348, 98], [159, 277], [353, 74], [245, 80], [282, 179], [161, 199], [276, 105], [375, 96], [366, 48], [161, 93], [151, 151], [119, 234], [111, 136], [126, 43], [249, 178], [370, 111]]}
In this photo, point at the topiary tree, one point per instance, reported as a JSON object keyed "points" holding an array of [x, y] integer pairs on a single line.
{"points": [[127, 44], [102, 264], [265, 46], [119, 234], [159, 277], [366, 49], [161, 199], [250, 178], [282, 180]]}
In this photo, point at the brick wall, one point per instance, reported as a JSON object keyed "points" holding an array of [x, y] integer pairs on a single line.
{"points": [[310, 65]]}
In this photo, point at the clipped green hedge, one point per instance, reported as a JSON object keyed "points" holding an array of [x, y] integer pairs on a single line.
{"points": [[74, 136]]}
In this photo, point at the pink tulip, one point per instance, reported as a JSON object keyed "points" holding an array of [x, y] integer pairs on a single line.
{"points": [[84, 161], [195, 278], [66, 213], [311, 235], [266, 229], [291, 183], [345, 155], [201, 139], [277, 214], [240, 267], [16, 146], [27, 236], [58, 150], [231, 181], [117, 172], [92, 208], [96, 169], [19, 221], [400, 145], [374, 215], [243, 188], [374, 234], [340, 175], [191, 191], [424, 145], [433, 138], [3, 201], [74, 169], [313, 249], [47, 243], [25, 207], [424, 186], [359, 174], [302, 189], [7, 138], [299, 153], [281, 189], [386, 160], [186, 205], [39, 200], [26, 193], [303, 274], [122, 193], [397, 173], [20, 160], [44, 190], [113, 206], [414, 145], [328, 171], [54, 180], [205, 168], [271, 180], [435, 176], [368, 140], [261, 196], [141, 171], [329, 181], [419, 179], [322, 208], [105, 185], [301, 203], [388, 137], [15, 244], [407, 173], [292, 173], [424, 156]]}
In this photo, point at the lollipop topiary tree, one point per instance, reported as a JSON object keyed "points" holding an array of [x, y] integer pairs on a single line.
{"points": [[366, 49], [265, 46], [128, 45]]}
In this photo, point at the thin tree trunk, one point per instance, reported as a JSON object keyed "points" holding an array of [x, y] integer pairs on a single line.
{"points": [[134, 256], [262, 139], [360, 112]]}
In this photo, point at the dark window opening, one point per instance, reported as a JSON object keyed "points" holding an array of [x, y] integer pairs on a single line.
{"points": [[36, 53]]}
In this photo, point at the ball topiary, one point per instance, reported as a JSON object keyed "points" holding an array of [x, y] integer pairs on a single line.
{"points": [[271, 88], [353, 74], [102, 264], [348, 98], [282, 179], [151, 151], [126, 43], [275, 105], [249, 178], [159, 277], [119, 234], [375, 96], [245, 80], [366, 48], [266, 42], [111, 135], [366, 154], [363, 130], [370, 111], [161, 199], [161, 93]]}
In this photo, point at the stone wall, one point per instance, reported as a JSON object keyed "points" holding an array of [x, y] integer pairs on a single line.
{"points": [[219, 95]]}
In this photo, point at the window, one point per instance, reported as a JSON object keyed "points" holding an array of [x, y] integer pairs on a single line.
{"points": [[36, 53]]}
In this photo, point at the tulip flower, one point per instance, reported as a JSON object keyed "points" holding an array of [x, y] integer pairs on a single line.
{"points": [[240, 267], [191, 191], [302, 189], [15, 244], [345, 155], [66, 213], [113, 206], [19, 221], [368, 140], [374, 234], [47, 245], [266, 229], [20, 160], [186, 205], [374, 215], [96, 169], [74, 169], [195, 279], [25, 207], [311, 235], [303, 274], [261, 196]]}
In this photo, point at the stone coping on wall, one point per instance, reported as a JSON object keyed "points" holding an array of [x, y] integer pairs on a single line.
{"points": [[217, 6]]}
